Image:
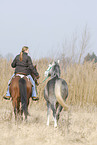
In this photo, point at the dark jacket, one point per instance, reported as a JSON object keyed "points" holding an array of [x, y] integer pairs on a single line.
{"points": [[25, 66]]}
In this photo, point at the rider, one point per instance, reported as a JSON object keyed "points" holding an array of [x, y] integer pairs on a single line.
{"points": [[23, 65]]}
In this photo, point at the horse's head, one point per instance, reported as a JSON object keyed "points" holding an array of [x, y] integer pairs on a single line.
{"points": [[53, 69]]}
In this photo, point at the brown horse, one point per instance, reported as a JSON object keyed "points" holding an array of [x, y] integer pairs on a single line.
{"points": [[20, 91]]}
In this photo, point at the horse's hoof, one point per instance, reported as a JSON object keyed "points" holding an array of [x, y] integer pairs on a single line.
{"points": [[28, 113]]}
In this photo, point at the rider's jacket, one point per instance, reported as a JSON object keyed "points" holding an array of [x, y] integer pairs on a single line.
{"points": [[25, 66]]}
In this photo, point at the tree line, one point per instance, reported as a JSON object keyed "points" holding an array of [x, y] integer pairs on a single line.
{"points": [[91, 57]]}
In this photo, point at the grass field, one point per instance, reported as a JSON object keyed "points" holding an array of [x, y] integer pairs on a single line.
{"points": [[76, 127]]}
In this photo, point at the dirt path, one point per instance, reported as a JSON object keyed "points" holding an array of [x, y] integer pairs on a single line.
{"points": [[76, 128]]}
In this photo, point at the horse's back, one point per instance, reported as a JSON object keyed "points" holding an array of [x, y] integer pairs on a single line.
{"points": [[28, 82], [15, 81], [14, 86], [49, 89], [29, 86]]}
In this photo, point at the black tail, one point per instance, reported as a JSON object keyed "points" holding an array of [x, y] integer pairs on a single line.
{"points": [[23, 95]]}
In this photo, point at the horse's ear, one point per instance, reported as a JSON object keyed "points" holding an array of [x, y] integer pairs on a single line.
{"points": [[58, 61]]}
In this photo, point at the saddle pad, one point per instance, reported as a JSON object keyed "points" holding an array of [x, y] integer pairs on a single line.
{"points": [[20, 75]]}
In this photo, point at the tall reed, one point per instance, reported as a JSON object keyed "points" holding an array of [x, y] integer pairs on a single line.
{"points": [[5, 73], [81, 80], [82, 83]]}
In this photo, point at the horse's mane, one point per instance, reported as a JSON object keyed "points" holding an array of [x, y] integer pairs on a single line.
{"points": [[57, 70]]}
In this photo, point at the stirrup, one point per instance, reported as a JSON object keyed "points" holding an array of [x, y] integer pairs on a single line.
{"points": [[6, 97], [35, 98]]}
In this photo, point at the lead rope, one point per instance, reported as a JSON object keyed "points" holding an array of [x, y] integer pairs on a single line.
{"points": [[40, 83], [46, 77], [44, 80]]}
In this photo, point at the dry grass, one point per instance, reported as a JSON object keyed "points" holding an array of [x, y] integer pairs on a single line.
{"points": [[76, 127], [82, 128], [82, 83], [5, 73], [81, 80]]}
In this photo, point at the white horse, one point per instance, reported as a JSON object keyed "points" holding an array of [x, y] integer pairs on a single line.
{"points": [[55, 92]]}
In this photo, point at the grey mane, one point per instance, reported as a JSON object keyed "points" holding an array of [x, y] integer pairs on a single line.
{"points": [[56, 70]]}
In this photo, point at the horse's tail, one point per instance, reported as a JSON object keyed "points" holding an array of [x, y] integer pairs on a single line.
{"points": [[23, 94], [58, 93]]}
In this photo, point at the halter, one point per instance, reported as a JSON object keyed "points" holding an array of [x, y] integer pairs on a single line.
{"points": [[47, 76], [50, 66]]}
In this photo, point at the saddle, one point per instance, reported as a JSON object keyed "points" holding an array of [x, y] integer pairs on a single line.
{"points": [[21, 75], [33, 76]]}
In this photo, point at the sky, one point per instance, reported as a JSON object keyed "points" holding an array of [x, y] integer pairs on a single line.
{"points": [[45, 25]]}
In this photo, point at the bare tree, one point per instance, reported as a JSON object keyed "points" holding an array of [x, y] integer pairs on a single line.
{"points": [[9, 56], [84, 43], [76, 49]]}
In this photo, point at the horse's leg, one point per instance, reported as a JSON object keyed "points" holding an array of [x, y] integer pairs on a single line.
{"points": [[48, 112], [26, 110], [18, 106], [15, 108], [58, 112], [27, 106], [53, 107], [21, 113], [18, 109], [15, 112], [25, 113]]}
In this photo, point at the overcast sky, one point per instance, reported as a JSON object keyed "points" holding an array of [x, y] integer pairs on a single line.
{"points": [[44, 25]]}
